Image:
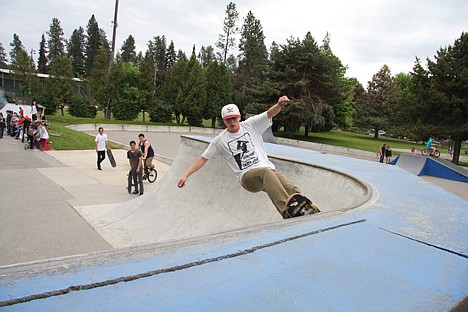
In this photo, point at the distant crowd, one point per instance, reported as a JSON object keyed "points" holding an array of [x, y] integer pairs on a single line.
{"points": [[31, 130]]}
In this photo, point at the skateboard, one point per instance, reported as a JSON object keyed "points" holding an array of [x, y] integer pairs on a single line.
{"points": [[299, 205], [111, 158]]}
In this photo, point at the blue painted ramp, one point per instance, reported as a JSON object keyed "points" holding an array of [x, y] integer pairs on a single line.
{"points": [[435, 167]]}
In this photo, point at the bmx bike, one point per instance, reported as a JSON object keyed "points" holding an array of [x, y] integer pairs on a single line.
{"points": [[149, 174], [428, 152]]}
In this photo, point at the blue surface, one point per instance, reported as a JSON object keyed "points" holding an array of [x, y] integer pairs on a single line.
{"points": [[406, 253], [436, 169]]}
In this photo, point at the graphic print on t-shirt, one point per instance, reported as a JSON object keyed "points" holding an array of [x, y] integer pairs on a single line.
{"points": [[243, 151]]}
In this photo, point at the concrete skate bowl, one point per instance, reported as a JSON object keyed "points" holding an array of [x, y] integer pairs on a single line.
{"points": [[213, 202]]}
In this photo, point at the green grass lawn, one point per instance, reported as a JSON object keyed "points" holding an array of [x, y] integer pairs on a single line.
{"points": [[354, 140], [63, 138]]}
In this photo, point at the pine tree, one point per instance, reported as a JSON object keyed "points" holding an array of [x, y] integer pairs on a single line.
{"points": [[56, 41], [218, 90], [206, 56], [171, 56], [253, 58], [158, 50], [98, 80], [23, 69], [146, 82], [442, 94], [227, 40], [16, 46], [173, 91], [128, 50], [93, 43], [3, 57], [42, 60], [196, 98], [76, 52]]}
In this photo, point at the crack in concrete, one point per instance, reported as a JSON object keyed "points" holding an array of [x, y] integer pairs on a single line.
{"points": [[426, 243]]}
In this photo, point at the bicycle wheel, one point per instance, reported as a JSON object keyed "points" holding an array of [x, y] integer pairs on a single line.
{"points": [[424, 152], [436, 153], [152, 175]]}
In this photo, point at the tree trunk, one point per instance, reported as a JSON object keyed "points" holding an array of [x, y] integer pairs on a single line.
{"points": [[306, 129], [213, 122], [456, 149], [61, 109], [143, 115], [108, 111], [376, 134]]}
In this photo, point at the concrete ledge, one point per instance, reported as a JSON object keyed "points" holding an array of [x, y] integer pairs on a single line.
{"points": [[328, 148], [180, 129]]}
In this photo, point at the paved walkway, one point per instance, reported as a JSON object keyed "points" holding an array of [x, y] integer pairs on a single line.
{"points": [[40, 192], [36, 219]]}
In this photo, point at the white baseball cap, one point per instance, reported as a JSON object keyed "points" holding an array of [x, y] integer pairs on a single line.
{"points": [[230, 111]]}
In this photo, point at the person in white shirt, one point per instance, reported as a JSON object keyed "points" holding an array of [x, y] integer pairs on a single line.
{"points": [[34, 111], [241, 145], [43, 135], [101, 147]]}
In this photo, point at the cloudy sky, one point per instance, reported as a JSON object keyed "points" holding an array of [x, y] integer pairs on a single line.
{"points": [[365, 34]]}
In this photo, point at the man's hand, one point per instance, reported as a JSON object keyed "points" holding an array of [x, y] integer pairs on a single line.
{"points": [[181, 182], [275, 109], [283, 101]]}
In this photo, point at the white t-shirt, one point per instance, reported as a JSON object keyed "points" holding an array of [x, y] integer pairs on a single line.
{"points": [[101, 140], [243, 150], [43, 133]]}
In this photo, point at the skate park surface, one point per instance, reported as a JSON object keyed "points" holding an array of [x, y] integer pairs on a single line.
{"points": [[386, 240]]}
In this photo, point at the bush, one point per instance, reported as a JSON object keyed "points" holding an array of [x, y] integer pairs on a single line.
{"points": [[78, 107], [161, 112]]}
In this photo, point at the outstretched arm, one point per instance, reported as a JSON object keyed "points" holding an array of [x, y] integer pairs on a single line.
{"points": [[275, 109], [196, 165]]}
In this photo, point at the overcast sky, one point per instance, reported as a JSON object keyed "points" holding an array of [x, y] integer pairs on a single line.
{"points": [[365, 34]]}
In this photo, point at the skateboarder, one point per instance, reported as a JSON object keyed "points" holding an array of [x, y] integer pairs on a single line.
{"points": [[241, 145], [101, 147]]}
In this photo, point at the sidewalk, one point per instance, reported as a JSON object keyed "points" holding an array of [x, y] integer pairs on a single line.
{"points": [[39, 194], [36, 220]]}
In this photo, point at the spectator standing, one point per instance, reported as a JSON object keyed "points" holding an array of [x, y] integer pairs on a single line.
{"points": [[2, 125], [8, 122], [26, 125], [388, 154], [101, 147], [34, 111], [135, 158], [382, 151]]}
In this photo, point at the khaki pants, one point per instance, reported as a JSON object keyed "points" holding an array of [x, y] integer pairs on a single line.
{"points": [[148, 162], [277, 186]]}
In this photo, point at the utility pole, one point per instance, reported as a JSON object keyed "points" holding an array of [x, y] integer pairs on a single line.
{"points": [[114, 33], [111, 62]]}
